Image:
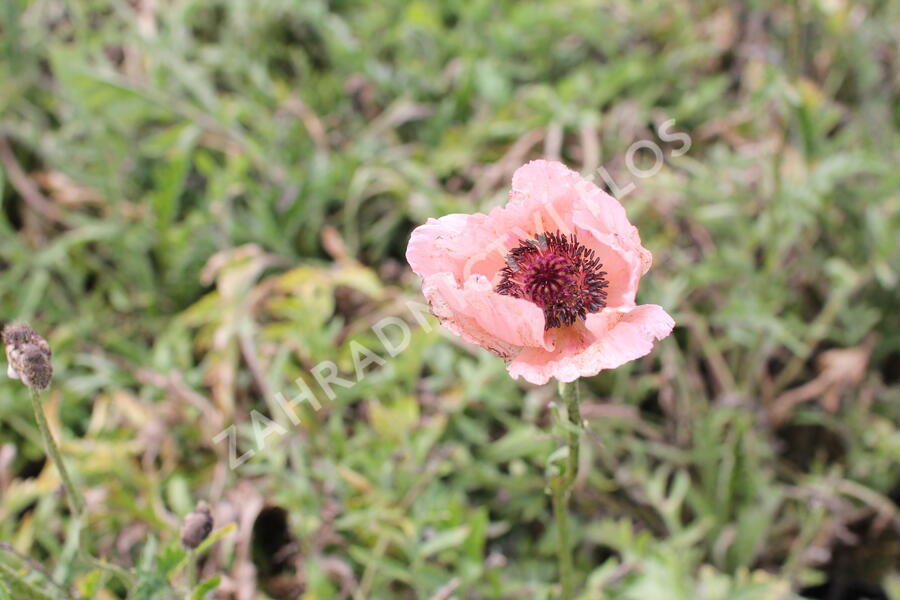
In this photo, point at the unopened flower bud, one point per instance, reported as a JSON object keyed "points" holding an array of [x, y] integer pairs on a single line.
{"points": [[197, 526], [28, 355]]}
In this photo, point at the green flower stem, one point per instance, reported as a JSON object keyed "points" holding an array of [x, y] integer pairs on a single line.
{"points": [[564, 549], [572, 398], [76, 501], [191, 574], [563, 485], [73, 495]]}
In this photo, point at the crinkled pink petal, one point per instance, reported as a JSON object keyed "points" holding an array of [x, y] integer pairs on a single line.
{"points": [[502, 324], [603, 218], [607, 340], [477, 244], [542, 180], [622, 265], [444, 245], [598, 219], [593, 208]]}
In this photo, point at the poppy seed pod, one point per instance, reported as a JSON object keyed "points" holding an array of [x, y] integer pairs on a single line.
{"points": [[197, 526], [28, 355]]}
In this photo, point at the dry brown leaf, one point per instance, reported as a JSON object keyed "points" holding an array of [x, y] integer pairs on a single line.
{"points": [[839, 369]]}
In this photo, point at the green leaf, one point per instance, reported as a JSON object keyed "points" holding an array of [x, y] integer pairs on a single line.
{"points": [[170, 558], [90, 584], [206, 587], [18, 586], [445, 540], [525, 441]]}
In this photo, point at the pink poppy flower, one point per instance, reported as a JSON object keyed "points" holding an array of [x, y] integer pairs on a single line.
{"points": [[548, 282]]}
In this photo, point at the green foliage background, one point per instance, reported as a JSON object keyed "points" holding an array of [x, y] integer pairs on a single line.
{"points": [[201, 199]]}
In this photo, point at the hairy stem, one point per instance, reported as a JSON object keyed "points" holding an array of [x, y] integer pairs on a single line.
{"points": [[76, 501], [73, 494], [191, 574], [572, 399], [564, 550], [563, 485]]}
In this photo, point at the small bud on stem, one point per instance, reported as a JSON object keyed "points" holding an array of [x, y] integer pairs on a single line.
{"points": [[197, 526]]}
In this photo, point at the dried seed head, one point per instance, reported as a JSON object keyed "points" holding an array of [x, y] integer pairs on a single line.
{"points": [[197, 526], [28, 355]]}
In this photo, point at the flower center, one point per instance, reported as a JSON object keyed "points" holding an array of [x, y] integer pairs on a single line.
{"points": [[558, 274]]}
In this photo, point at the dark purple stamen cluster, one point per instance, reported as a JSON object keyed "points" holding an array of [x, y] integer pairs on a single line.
{"points": [[558, 274]]}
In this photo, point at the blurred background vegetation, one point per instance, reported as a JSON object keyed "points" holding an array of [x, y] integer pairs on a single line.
{"points": [[201, 199]]}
